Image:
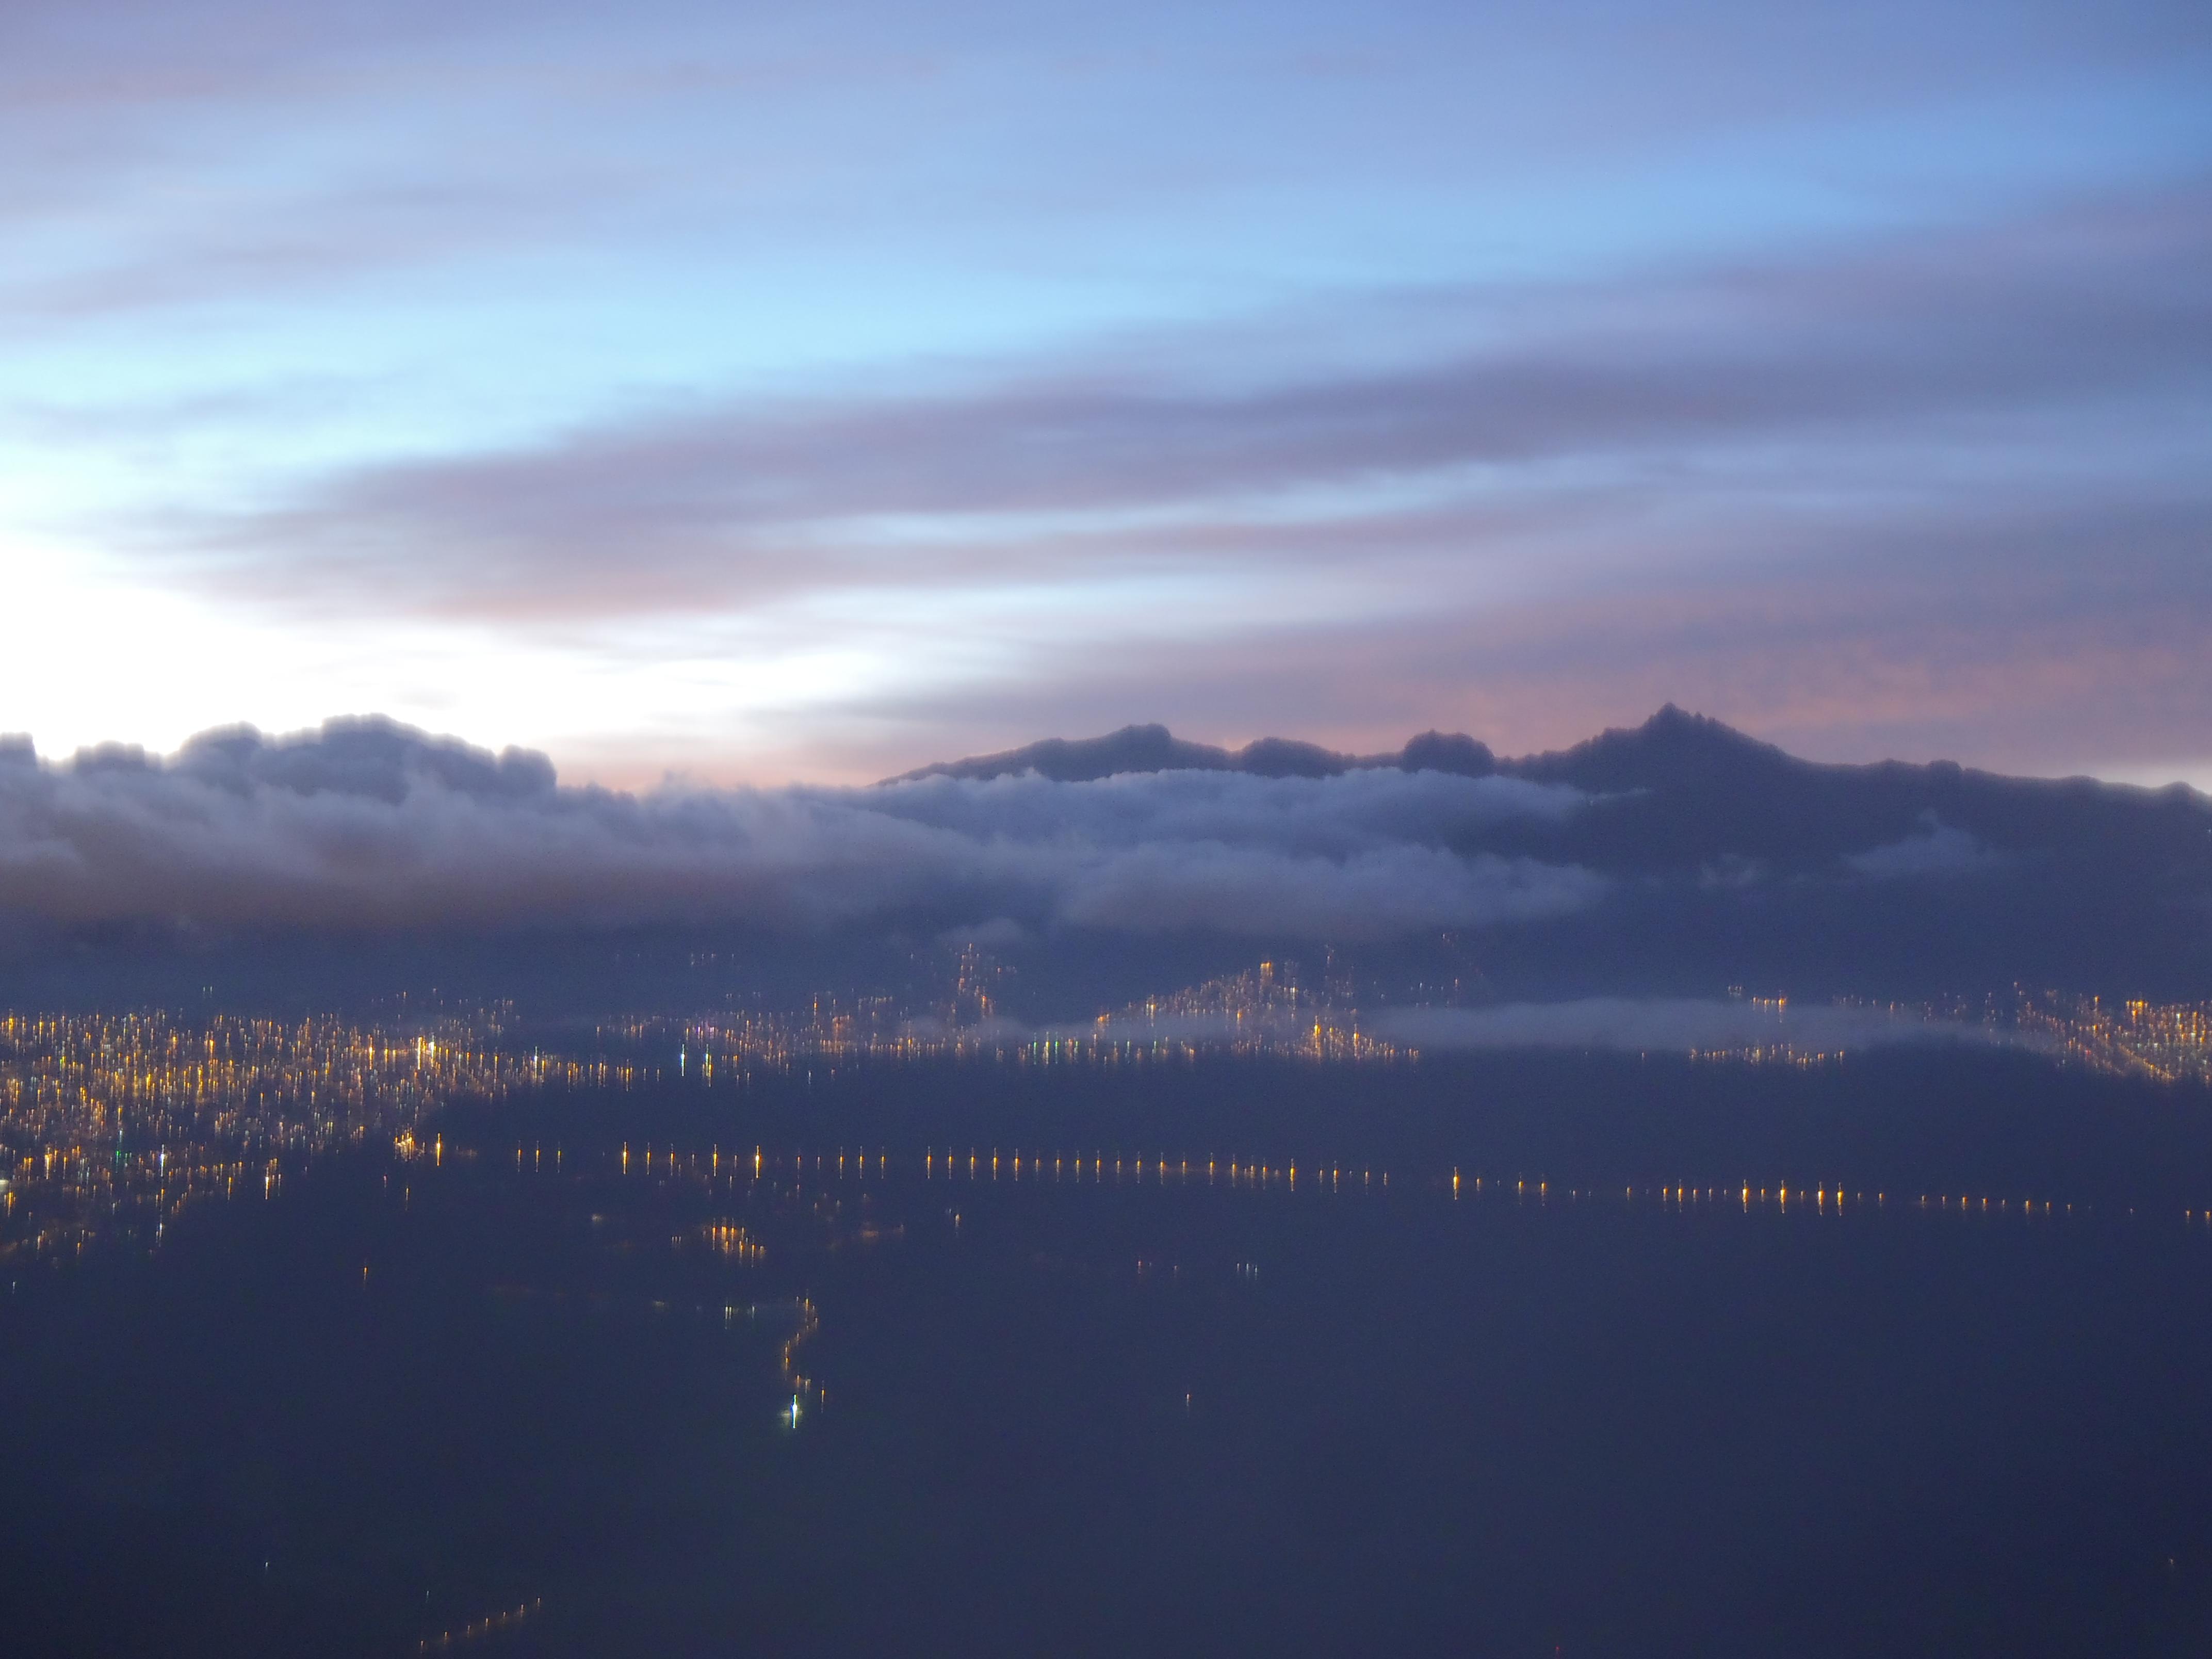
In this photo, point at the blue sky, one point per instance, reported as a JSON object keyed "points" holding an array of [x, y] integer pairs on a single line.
{"points": [[760, 392]]}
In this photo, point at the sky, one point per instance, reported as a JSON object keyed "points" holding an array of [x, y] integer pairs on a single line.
{"points": [[759, 393]]}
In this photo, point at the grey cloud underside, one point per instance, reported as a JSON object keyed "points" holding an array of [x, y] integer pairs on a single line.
{"points": [[367, 825]]}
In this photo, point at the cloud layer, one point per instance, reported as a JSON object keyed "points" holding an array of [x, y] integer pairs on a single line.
{"points": [[365, 825], [1671, 1026], [1521, 419]]}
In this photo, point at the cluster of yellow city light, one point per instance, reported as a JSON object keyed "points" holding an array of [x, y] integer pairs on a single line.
{"points": [[507, 1618], [1010, 1165], [739, 1054], [1260, 1013], [1769, 1053], [800, 1385], [727, 1238], [1093, 1166], [118, 1120], [2165, 1042]]}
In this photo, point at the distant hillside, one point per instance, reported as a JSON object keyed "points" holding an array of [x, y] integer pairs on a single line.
{"points": [[1678, 858], [1695, 789], [1732, 857], [1153, 748]]}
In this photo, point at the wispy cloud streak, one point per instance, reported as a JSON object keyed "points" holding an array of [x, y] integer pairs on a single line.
{"points": [[1569, 418]]}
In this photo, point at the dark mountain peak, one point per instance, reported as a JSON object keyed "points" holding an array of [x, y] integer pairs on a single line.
{"points": [[1673, 746], [1081, 760], [1676, 750], [1154, 749], [1447, 752], [1673, 749], [1286, 757]]}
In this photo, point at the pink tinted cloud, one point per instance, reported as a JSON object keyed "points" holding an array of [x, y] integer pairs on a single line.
{"points": [[1860, 381]]}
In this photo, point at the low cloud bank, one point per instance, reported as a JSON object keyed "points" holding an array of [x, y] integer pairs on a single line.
{"points": [[365, 824], [1623, 1024], [1936, 849], [1669, 1025]]}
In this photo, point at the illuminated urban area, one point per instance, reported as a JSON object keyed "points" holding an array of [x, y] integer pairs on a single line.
{"points": [[112, 1124], [2166, 1042], [799, 1180], [115, 1123]]}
